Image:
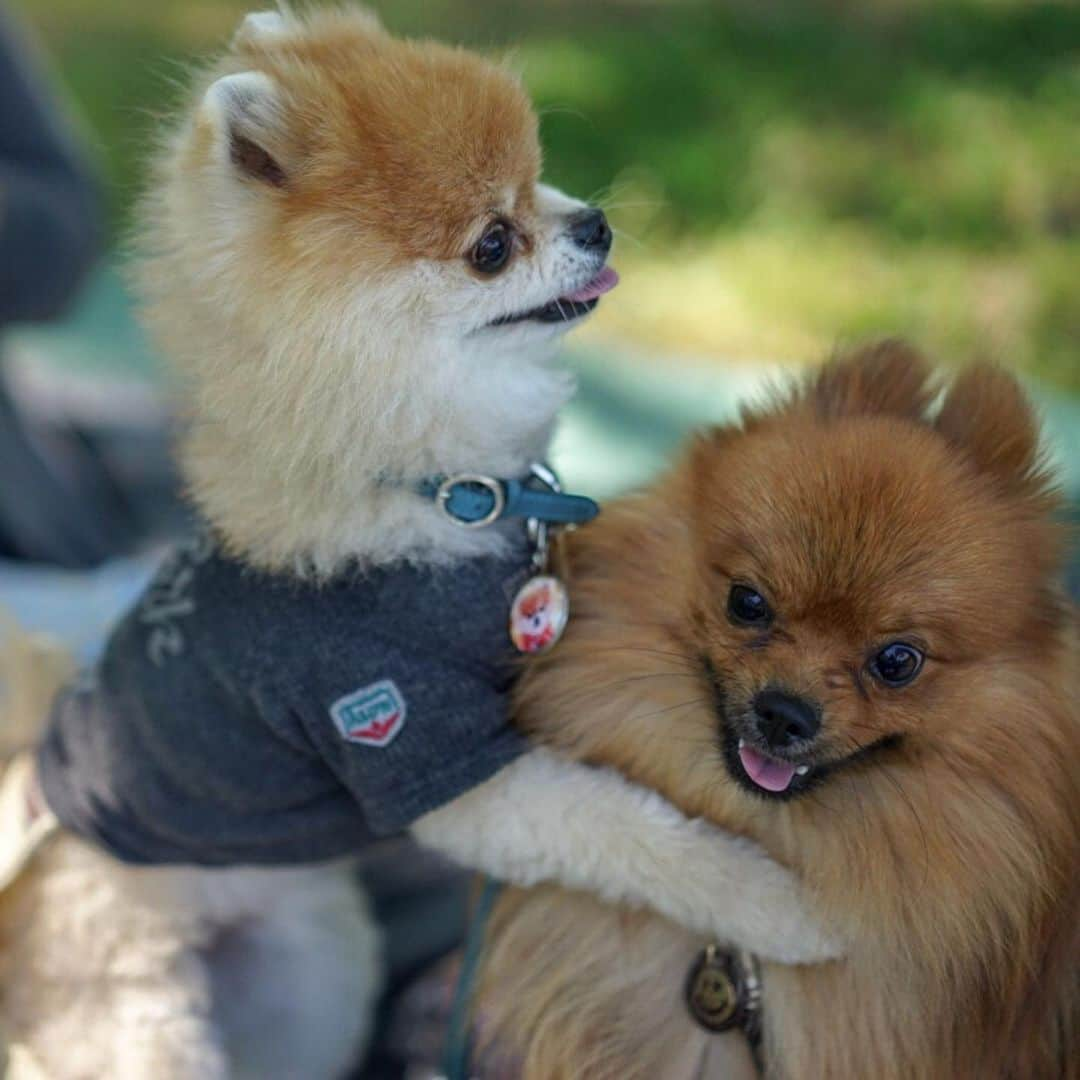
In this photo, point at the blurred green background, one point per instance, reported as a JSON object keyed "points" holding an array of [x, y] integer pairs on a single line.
{"points": [[783, 176]]}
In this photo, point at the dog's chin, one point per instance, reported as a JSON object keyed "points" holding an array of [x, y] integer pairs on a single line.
{"points": [[773, 778], [558, 313], [563, 311], [539, 324]]}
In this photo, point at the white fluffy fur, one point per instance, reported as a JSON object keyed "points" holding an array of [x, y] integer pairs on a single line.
{"points": [[316, 400], [303, 404], [540, 820], [111, 971]]}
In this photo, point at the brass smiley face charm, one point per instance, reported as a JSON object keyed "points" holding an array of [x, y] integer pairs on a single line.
{"points": [[712, 994]]}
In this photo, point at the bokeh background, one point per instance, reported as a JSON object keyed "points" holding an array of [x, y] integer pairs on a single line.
{"points": [[784, 174], [784, 177]]}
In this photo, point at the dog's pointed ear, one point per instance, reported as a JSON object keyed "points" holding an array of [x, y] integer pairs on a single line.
{"points": [[704, 459], [987, 416], [247, 116], [888, 378]]}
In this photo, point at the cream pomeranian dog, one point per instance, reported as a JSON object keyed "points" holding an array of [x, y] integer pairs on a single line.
{"points": [[348, 257]]}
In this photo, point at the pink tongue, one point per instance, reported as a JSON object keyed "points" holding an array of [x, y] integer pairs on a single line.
{"points": [[770, 775], [604, 282]]}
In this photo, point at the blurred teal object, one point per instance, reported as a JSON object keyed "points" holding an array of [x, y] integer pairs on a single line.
{"points": [[100, 335], [78, 607]]}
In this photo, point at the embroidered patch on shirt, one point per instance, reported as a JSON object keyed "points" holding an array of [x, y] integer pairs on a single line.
{"points": [[372, 715]]}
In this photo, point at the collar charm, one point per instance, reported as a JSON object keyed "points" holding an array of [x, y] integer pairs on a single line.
{"points": [[539, 614], [723, 991], [541, 607]]}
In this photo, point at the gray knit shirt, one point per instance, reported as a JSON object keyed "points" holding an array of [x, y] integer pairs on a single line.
{"points": [[238, 717]]}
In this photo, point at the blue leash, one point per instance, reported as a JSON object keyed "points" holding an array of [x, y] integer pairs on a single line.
{"points": [[458, 1051]]}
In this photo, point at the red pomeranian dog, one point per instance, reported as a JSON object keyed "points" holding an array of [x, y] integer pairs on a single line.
{"points": [[838, 629]]}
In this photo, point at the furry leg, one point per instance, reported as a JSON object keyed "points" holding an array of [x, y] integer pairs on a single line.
{"points": [[544, 818], [295, 988], [182, 973], [162, 1029], [154, 1025]]}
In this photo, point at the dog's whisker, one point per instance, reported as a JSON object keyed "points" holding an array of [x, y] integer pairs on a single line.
{"points": [[672, 708], [644, 651], [606, 688], [564, 110], [622, 234]]}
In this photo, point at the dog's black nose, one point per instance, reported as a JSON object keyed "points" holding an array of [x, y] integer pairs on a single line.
{"points": [[590, 230], [783, 719]]}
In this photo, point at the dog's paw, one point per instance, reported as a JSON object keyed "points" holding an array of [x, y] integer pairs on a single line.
{"points": [[778, 924], [730, 888], [770, 913]]}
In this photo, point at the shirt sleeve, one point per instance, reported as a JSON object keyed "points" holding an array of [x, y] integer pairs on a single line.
{"points": [[406, 733]]}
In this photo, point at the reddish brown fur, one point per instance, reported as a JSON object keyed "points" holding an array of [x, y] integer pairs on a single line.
{"points": [[374, 141], [949, 860]]}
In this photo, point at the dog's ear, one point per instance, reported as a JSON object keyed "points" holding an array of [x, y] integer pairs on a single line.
{"points": [[987, 416], [693, 483], [247, 116], [888, 378]]}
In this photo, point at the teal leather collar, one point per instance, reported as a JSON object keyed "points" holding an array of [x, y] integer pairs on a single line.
{"points": [[473, 501]]}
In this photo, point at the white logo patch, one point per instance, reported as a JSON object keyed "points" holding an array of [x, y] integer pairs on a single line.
{"points": [[372, 716]]}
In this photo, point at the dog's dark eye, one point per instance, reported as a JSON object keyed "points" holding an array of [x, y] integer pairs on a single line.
{"points": [[747, 607], [493, 249], [897, 664]]}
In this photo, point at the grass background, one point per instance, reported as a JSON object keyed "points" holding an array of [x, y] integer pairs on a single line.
{"points": [[783, 176]]}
